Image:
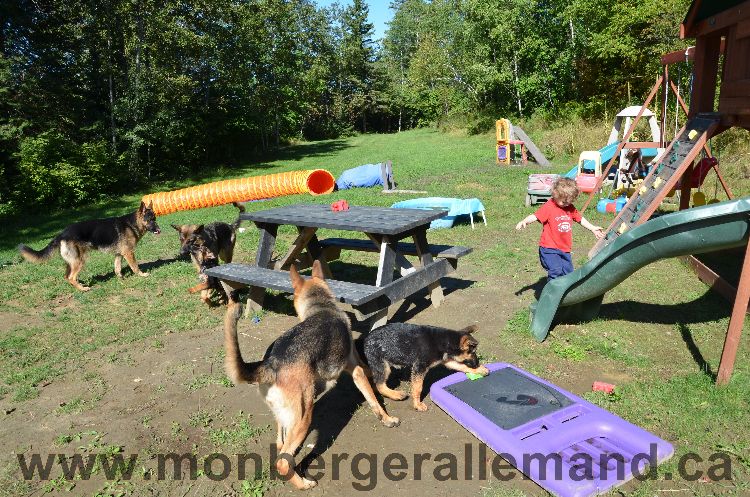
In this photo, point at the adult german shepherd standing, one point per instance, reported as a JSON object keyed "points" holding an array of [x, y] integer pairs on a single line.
{"points": [[300, 364], [113, 234]]}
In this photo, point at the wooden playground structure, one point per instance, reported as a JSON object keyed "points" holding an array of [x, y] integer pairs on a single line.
{"points": [[720, 28]]}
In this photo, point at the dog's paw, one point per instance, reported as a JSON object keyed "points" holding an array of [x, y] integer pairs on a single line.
{"points": [[420, 406], [307, 483], [391, 421], [399, 395], [145, 275], [483, 370]]}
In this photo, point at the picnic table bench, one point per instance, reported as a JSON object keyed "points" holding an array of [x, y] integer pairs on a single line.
{"points": [[384, 228]]}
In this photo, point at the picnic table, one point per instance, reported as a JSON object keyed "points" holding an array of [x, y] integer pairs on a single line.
{"points": [[384, 228]]}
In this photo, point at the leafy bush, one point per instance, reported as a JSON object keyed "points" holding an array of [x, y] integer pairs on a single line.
{"points": [[56, 170]]}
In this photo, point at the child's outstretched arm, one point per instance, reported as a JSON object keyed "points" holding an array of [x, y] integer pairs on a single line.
{"points": [[598, 231], [526, 221]]}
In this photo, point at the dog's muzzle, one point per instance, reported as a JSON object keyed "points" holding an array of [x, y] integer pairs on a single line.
{"points": [[472, 363]]}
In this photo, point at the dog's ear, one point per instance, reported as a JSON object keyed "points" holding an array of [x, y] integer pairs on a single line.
{"points": [[142, 207], [470, 329], [467, 341], [150, 205], [198, 229], [317, 270], [177, 227], [297, 280]]}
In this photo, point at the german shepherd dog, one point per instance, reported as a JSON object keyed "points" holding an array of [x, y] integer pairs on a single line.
{"points": [[207, 283], [303, 362], [218, 237], [113, 234], [421, 348]]}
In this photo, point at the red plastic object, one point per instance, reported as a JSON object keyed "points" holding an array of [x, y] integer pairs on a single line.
{"points": [[700, 171], [316, 182], [586, 182], [340, 205], [600, 386]]}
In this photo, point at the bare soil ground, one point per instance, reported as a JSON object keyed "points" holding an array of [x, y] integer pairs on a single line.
{"points": [[173, 399]]}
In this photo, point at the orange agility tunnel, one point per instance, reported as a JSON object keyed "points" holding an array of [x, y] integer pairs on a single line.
{"points": [[316, 182]]}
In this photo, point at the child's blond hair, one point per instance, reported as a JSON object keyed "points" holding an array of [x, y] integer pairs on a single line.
{"points": [[565, 190]]}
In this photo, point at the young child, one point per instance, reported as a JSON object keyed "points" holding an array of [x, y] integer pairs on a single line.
{"points": [[557, 216]]}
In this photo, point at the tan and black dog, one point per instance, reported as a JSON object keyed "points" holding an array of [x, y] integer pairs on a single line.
{"points": [[421, 348], [300, 364], [207, 283], [218, 237], [113, 234]]}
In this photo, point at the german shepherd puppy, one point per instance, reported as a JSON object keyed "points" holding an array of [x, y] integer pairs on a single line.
{"points": [[218, 237], [300, 364], [113, 234], [207, 283], [421, 348]]}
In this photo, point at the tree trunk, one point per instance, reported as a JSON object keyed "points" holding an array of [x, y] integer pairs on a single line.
{"points": [[515, 76], [111, 97]]}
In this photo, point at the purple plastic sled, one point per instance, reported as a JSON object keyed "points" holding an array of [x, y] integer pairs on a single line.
{"points": [[567, 445]]}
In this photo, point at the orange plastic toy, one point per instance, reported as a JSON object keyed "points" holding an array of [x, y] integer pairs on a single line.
{"points": [[316, 182]]}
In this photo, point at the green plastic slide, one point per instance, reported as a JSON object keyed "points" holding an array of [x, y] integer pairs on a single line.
{"points": [[578, 295]]}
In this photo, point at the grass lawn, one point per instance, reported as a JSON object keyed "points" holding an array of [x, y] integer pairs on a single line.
{"points": [[72, 362]]}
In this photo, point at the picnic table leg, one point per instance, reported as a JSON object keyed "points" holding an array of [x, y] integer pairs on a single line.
{"points": [[266, 245], [299, 244], [423, 251], [405, 266], [385, 275]]}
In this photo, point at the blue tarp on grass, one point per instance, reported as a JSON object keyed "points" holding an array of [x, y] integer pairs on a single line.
{"points": [[363, 176]]}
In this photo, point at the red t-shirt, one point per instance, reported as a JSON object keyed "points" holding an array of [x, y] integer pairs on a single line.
{"points": [[557, 225]]}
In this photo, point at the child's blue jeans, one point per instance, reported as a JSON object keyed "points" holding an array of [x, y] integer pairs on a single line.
{"points": [[556, 262]]}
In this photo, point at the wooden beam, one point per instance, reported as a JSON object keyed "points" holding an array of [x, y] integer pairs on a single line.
{"points": [[719, 21], [625, 138], [686, 27], [710, 277], [642, 145], [687, 55], [732, 341]]}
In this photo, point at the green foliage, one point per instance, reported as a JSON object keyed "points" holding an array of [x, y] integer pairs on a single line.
{"points": [[95, 96], [55, 169]]}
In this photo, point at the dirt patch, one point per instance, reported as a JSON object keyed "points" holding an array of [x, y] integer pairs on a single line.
{"points": [[170, 396]]}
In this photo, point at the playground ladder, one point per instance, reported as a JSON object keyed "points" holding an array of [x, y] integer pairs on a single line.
{"points": [[662, 178]]}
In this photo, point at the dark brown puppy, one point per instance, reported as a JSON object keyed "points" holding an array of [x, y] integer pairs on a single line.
{"points": [[207, 283], [300, 364], [420, 348], [114, 234], [218, 237]]}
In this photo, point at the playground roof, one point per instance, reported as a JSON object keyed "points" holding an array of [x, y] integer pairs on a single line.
{"points": [[703, 9]]}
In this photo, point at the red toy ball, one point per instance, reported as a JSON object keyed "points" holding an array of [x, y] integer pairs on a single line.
{"points": [[340, 205]]}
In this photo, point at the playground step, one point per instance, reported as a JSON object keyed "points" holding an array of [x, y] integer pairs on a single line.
{"points": [[662, 179]]}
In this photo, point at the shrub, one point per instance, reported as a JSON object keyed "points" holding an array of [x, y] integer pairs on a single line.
{"points": [[56, 170]]}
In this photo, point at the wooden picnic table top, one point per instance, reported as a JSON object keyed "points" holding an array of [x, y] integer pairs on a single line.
{"points": [[366, 219]]}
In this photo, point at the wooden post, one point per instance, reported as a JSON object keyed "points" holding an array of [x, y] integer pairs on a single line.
{"points": [[732, 341], [685, 188], [664, 99]]}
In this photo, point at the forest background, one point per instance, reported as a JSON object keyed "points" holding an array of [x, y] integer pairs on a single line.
{"points": [[101, 97]]}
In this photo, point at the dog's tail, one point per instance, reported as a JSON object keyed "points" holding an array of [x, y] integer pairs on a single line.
{"points": [[32, 255], [241, 207], [238, 370]]}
